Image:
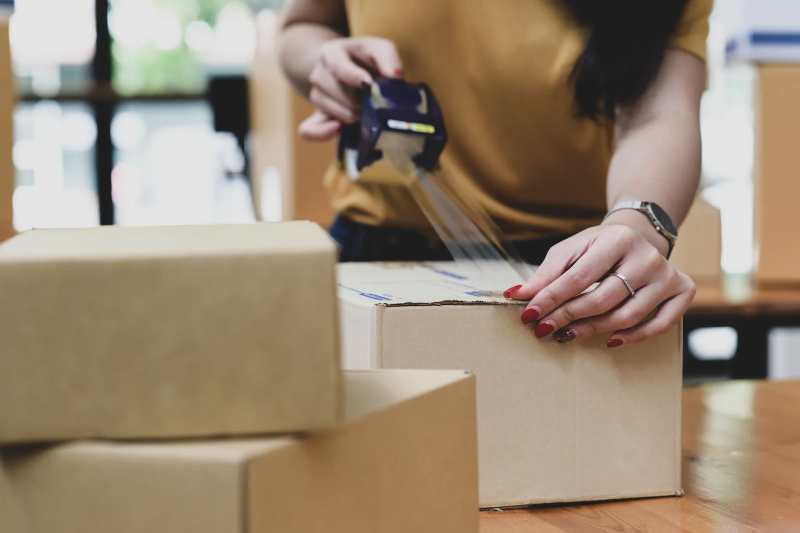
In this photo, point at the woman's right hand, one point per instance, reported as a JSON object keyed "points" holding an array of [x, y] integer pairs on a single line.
{"points": [[343, 67]]}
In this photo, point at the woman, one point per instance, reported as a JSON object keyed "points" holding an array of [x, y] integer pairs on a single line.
{"points": [[563, 116]]}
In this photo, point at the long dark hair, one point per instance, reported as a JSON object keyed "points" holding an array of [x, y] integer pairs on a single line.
{"points": [[624, 53]]}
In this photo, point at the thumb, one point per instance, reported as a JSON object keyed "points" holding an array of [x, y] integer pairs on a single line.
{"points": [[379, 54]]}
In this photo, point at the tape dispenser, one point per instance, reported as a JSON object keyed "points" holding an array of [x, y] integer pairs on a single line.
{"points": [[401, 121]]}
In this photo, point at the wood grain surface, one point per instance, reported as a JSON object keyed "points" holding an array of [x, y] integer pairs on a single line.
{"points": [[741, 472], [738, 297]]}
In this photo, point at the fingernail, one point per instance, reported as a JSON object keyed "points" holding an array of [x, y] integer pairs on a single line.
{"points": [[544, 329], [511, 291], [398, 72], [338, 127], [565, 335], [530, 316], [366, 83], [613, 343]]}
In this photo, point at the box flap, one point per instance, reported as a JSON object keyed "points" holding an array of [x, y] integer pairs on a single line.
{"points": [[114, 243], [435, 283]]}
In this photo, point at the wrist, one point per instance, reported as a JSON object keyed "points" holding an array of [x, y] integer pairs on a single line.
{"points": [[640, 223]]}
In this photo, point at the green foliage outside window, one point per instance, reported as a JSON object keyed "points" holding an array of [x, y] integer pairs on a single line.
{"points": [[141, 66]]}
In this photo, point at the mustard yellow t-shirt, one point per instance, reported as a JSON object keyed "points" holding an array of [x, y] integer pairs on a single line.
{"points": [[500, 71]]}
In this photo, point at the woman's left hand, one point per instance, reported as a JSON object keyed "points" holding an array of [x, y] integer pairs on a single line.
{"points": [[623, 244]]}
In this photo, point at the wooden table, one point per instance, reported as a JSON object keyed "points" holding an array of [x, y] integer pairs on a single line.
{"points": [[741, 472], [752, 312]]}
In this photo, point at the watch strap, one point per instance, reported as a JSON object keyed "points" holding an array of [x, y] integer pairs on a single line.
{"points": [[633, 204], [643, 207]]}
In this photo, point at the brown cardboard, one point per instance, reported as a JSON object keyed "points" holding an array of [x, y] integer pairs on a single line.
{"points": [[276, 112], [556, 423], [12, 516], [7, 104], [699, 249], [775, 173], [168, 332], [404, 461]]}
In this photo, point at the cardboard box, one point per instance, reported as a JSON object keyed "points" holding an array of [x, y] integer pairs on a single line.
{"points": [[556, 423], [287, 171], [776, 168], [699, 249], [168, 332], [8, 101], [404, 461]]}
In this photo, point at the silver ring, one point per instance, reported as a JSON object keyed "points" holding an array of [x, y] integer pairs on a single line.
{"points": [[625, 281]]}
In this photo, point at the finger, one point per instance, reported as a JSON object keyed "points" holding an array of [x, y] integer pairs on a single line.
{"points": [[324, 80], [591, 267], [662, 322], [633, 310], [331, 107], [555, 264], [380, 54], [319, 127], [609, 294], [338, 61]]}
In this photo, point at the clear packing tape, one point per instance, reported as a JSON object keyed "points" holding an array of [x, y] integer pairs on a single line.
{"points": [[474, 240]]}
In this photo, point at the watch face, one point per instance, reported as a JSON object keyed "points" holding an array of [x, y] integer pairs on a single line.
{"points": [[664, 219]]}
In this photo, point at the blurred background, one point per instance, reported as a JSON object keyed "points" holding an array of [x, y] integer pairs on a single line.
{"points": [[153, 112], [114, 122], [137, 73]]}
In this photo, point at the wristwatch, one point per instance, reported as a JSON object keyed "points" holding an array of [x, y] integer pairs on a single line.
{"points": [[658, 217]]}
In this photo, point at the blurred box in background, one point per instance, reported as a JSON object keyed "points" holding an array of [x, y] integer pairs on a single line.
{"points": [[168, 332], [7, 104], [763, 30], [699, 250], [776, 175], [286, 171], [405, 461]]}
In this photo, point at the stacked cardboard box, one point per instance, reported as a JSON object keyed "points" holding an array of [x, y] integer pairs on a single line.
{"points": [[205, 332], [404, 460], [556, 423], [168, 332]]}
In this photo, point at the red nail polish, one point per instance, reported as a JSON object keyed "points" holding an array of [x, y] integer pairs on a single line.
{"points": [[613, 343], [398, 72], [544, 329], [338, 127], [511, 291], [530, 316]]}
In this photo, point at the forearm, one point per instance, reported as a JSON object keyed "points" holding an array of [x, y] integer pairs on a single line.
{"points": [[299, 51], [658, 153], [658, 162]]}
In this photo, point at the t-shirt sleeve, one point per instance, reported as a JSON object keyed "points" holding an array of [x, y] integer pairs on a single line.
{"points": [[692, 31]]}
